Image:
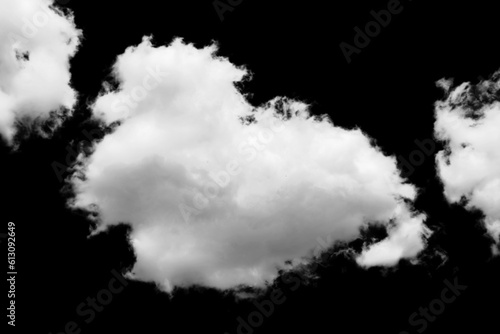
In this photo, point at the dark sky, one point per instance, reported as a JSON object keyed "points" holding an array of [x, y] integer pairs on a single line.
{"points": [[292, 48]]}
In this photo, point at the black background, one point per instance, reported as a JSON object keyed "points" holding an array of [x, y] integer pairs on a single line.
{"points": [[292, 49]]}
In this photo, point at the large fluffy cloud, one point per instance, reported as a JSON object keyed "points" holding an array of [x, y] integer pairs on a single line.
{"points": [[36, 43], [468, 121], [220, 193]]}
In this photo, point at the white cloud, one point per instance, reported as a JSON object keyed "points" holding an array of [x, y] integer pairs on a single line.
{"points": [[216, 202], [405, 241], [468, 121], [36, 43]]}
